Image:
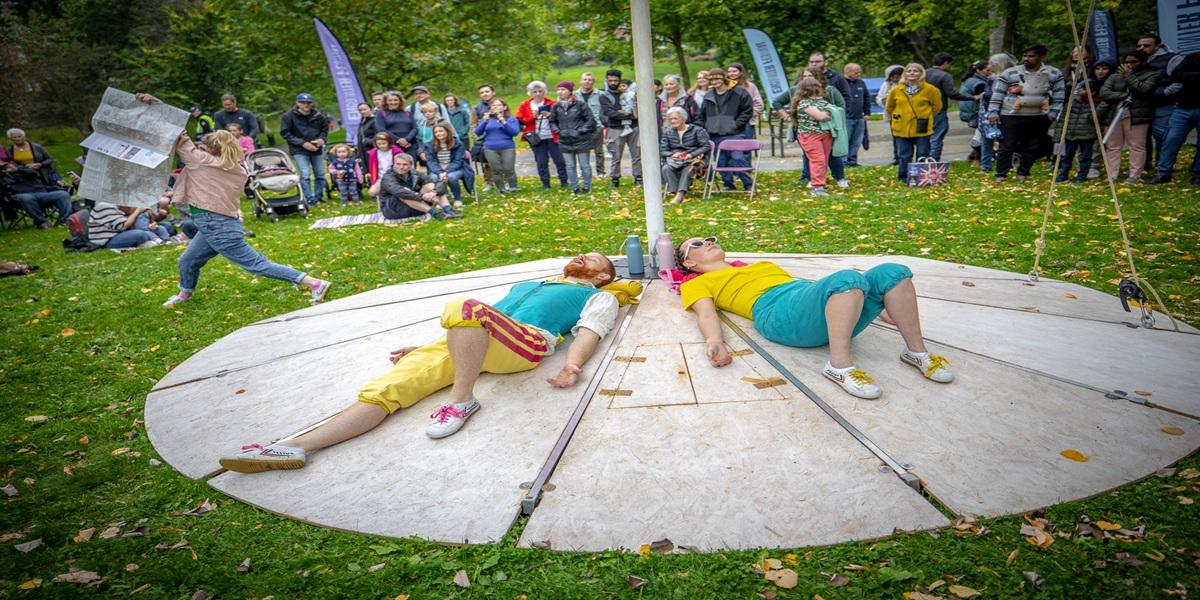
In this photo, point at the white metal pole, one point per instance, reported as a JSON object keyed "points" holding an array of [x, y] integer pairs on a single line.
{"points": [[647, 111]]}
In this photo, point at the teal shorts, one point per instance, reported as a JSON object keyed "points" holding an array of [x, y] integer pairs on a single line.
{"points": [[793, 314]]}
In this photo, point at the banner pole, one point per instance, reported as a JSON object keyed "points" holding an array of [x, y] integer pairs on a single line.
{"points": [[647, 110]]}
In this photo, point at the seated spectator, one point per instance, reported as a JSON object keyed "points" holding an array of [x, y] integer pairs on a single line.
{"points": [[681, 146], [245, 141], [379, 158], [116, 227], [405, 193], [33, 156], [31, 193], [446, 156], [397, 121]]}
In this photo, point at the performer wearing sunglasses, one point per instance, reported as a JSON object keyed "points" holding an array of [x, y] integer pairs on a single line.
{"points": [[806, 314]]}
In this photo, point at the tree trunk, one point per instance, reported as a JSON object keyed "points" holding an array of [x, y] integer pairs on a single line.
{"points": [[918, 41], [1003, 14], [681, 56]]}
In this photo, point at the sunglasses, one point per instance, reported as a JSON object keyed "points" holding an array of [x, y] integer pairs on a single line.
{"points": [[698, 244]]}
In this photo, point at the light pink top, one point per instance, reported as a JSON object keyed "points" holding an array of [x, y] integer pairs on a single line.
{"points": [[204, 183]]}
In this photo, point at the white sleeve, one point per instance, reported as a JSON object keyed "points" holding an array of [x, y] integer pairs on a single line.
{"points": [[599, 314]]}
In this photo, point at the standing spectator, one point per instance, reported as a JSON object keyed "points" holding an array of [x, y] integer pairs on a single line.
{"points": [[1161, 59], [397, 121], [738, 76], [1133, 86], [816, 60], [622, 122], [1026, 99], [534, 116], [346, 172], [1080, 136], [591, 96], [420, 96], [810, 110], [700, 89], [939, 77], [200, 123], [836, 165], [366, 130], [486, 94], [681, 145], [447, 160], [496, 130], [428, 112], [997, 64], [1184, 119], [230, 113], [305, 130], [572, 121], [975, 81], [377, 100], [912, 105], [675, 96], [891, 79], [724, 115], [460, 118], [858, 110]]}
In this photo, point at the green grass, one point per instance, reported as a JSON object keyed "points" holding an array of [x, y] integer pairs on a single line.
{"points": [[86, 340]]}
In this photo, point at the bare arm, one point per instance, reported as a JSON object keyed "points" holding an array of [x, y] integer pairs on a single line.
{"points": [[580, 351], [710, 328]]}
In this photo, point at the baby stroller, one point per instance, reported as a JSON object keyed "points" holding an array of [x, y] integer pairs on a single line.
{"points": [[275, 184]]}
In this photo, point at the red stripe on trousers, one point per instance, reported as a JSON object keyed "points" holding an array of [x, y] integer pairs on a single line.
{"points": [[492, 320]]}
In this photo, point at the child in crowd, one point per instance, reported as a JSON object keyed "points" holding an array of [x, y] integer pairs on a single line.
{"points": [[628, 104], [245, 141], [429, 110], [347, 173]]}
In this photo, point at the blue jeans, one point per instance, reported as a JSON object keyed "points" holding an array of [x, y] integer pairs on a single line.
{"points": [[545, 151], [129, 239], [578, 167], [905, 147], [466, 175], [310, 166], [732, 159], [1158, 133], [33, 202], [143, 222], [855, 128], [1182, 122], [1070, 149], [987, 153], [221, 234], [941, 126]]}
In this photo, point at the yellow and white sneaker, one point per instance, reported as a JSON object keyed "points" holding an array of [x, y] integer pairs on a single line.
{"points": [[932, 366], [854, 380]]}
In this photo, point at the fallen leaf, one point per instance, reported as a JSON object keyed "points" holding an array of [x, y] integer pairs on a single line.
{"points": [[244, 567], [854, 567], [1172, 431], [131, 567], [915, 595], [1074, 455], [1106, 526], [201, 509], [770, 564], [836, 579], [29, 546], [968, 284], [136, 532], [10, 490], [1041, 539], [79, 577], [636, 582], [36, 418], [962, 591], [202, 595], [1069, 296], [1012, 556], [461, 579], [1190, 473], [140, 588], [935, 585], [110, 533], [68, 332], [1155, 555], [32, 584], [85, 440], [1128, 559], [790, 559], [85, 535], [784, 578], [1184, 500], [1034, 578], [1098, 565], [644, 550], [1143, 393], [1164, 473], [663, 545], [373, 568]]}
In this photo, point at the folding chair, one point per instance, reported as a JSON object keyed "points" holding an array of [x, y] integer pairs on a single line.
{"points": [[733, 145]]}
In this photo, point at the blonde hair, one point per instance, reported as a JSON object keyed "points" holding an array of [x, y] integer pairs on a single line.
{"points": [[428, 106], [224, 145], [340, 146]]}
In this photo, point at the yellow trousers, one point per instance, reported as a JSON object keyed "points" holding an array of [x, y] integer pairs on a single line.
{"points": [[513, 348]]}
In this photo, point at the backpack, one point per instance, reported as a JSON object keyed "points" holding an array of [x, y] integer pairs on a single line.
{"points": [[77, 224]]}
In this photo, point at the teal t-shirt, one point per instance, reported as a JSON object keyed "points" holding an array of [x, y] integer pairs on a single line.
{"points": [[550, 305]]}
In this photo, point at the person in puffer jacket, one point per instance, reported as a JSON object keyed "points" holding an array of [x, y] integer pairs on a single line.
{"points": [[575, 125]]}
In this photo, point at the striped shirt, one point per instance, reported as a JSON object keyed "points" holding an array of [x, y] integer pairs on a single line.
{"points": [[105, 223]]}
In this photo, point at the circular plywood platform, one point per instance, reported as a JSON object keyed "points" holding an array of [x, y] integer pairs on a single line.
{"points": [[763, 453]]}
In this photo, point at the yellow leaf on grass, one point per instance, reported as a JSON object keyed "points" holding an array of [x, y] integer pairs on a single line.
{"points": [[1106, 526], [1011, 557], [1155, 555], [644, 550], [34, 583], [1172, 431], [154, 348], [963, 591], [790, 559], [68, 332], [1074, 455], [1041, 539]]}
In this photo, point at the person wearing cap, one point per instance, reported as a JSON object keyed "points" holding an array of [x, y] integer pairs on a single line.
{"points": [[573, 122], [420, 96], [534, 116], [200, 123], [305, 129]]}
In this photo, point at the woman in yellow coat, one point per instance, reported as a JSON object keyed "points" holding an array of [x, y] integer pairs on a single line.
{"points": [[912, 105]]}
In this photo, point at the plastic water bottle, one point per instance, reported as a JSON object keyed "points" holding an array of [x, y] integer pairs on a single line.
{"points": [[664, 251], [633, 256]]}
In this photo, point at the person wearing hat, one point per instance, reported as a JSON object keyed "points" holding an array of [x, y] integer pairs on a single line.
{"points": [[201, 123], [420, 96], [574, 123], [305, 129], [534, 116]]}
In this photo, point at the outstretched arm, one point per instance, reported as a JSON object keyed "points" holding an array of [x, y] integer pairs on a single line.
{"points": [[710, 327], [581, 350]]}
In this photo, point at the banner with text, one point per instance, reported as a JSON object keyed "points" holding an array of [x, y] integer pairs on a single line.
{"points": [[771, 73], [1179, 25], [345, 82], [1104, 37]]}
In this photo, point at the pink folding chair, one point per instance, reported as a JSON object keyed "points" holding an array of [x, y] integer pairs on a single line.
{"points": [[733, 145]]}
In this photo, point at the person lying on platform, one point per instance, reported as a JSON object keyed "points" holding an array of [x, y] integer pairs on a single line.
{"points": [[806, 314], [514, 335]]}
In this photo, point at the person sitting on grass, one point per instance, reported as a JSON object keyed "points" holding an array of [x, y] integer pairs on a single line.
{"points": [[120, 227], [404, 193], [513, 335], [806, 314]]}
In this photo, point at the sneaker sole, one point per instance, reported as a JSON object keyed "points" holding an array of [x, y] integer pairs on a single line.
{"points": [[831, 378], [904, 359], [245, 465], [464, 424]]}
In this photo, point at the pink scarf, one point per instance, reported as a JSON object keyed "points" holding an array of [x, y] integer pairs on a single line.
{"points": [[676, 278]]}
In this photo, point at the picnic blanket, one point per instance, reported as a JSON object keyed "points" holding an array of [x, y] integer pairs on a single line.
{"points": [[348, 220]]}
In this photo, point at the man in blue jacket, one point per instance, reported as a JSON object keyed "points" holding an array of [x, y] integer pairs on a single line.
{"points": [[305, 130], [858, 110]]}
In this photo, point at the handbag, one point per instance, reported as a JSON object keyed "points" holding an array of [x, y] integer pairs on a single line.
{"points": [[533, 138], [925, 172]]}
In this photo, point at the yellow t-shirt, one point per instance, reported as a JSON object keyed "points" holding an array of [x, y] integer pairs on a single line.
{"points": [[735, 289], [23, 157]]}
